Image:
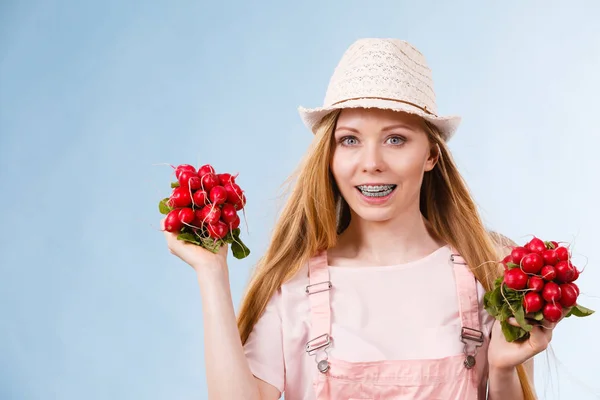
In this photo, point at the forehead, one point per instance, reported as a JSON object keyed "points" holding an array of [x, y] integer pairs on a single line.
{"points": [[374, 118]]}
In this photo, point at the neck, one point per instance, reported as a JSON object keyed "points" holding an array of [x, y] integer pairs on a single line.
{"points": [[401, 239]]}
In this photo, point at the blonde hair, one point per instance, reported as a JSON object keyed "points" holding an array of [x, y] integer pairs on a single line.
{"points": [[315, 213]]}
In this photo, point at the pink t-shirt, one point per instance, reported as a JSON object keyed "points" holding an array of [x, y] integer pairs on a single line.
{"points": [[399, 312]]}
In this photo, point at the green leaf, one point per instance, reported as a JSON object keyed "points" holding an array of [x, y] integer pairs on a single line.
{"points": [[511, 265], [498, 282], [493, 302], [520, 317], [189, 237], [569, 313], [229, 238], [163, 207], [238, 248], [211, 244], [174, 185], [505, 312], [538, 316], [489, 305], [512, 333], [581, 311]]}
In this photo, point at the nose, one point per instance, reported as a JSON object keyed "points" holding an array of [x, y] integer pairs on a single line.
{"points": [[372, 159]]}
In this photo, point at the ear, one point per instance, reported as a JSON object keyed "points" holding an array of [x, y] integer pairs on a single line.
{"points": [[434, 155]]}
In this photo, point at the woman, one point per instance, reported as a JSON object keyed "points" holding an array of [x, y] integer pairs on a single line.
{"points": [[372, 285]]}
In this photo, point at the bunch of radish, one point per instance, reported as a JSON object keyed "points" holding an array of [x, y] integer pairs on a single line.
{"points": [[203, 208], [538, 285]]}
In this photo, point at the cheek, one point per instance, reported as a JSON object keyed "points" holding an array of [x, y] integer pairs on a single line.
{"points": [[340, 170], [409, 165]]}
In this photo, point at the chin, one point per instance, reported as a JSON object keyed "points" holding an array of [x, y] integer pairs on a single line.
{"points": [[374, 214]]}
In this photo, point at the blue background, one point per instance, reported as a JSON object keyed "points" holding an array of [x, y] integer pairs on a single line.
{"points": [[95, 96]]}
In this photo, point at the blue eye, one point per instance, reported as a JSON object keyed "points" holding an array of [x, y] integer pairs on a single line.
{"points": [[396, 140], [349, 141]]}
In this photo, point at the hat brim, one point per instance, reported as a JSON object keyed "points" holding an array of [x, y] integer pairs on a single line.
{"points": [[447, 125]]}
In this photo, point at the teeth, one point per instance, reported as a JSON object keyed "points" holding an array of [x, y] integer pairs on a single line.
{"points": [[376, 191], [377, 188]]}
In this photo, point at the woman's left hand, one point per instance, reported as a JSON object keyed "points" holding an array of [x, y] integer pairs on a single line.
{"points": [[506, 355]]}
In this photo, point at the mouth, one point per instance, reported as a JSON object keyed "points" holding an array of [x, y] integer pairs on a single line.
{"points": [[376, 191]]}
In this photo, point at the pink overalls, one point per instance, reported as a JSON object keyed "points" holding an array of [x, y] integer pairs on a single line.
{"points": [[455, 377]]}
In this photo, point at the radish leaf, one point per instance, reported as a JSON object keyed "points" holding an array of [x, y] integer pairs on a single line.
{"points": [[581, 311], [163, 207]]}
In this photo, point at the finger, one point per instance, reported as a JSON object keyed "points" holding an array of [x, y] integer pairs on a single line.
{"points": [[513, 321], [540, 338], [546, 325]]}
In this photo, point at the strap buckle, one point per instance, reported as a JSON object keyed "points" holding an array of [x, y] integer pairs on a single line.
{"points": [[472, 335], [320, 342], [453, 256], [308, 291]]}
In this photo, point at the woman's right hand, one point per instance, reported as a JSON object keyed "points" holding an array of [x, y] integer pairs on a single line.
{"points": [[195, 256]]}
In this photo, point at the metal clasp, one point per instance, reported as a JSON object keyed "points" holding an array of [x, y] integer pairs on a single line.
{"points": [[472, 335], [452, 256], [328, 283], [312, 347]]}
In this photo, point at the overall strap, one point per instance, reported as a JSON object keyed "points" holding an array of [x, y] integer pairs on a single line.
{"points": [[466, 287], [318, 290]]}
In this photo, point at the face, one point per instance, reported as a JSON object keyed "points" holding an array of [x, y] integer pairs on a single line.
{"points": [[379, 159]]}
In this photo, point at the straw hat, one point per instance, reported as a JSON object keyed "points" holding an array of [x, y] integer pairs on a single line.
{"points": [[382, 73]]}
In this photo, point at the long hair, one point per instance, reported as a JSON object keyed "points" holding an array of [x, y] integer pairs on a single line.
{"points": [[315, 213]]}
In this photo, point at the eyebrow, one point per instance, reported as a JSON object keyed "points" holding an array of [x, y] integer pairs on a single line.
{"points": [[387, 128]]}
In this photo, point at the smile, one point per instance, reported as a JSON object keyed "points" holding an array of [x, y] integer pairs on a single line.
{"points": [[376, 190]]}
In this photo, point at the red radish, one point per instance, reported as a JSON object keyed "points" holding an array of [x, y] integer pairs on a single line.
{"points": [[198, 222], [205, 169], [189, 179], [550, 257], [515, 279], [209, 214], [564, 271], [576, 273], [535, 283], [532, 302], [568, 296], [209, 181], [536, 245], [186, 216], [532, 263], [575, 287], [228, 213], [183, 167], [234, 192], [506, 260], [551, 292], [172, 222], [562, 253], [180, 198], [200, 198], [218, 195], [235, 223], [241, 202], [548, 273], [552, 312], [226, 178], [517, 254], [217, 230]]}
